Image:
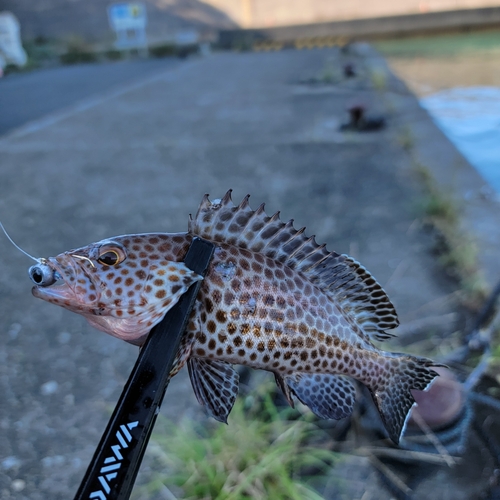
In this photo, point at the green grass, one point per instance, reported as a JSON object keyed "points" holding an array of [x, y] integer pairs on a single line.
{"points": [[457, 250], [378, 78], [260, 454], [405, 139], [445, 45]]}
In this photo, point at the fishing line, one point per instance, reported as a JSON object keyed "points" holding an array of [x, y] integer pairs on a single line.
{"points": [[40, 261]]}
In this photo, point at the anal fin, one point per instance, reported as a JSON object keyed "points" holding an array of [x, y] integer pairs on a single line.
{"points": [[215, 384], [328, 396]]}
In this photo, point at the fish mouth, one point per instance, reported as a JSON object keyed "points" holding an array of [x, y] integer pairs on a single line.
{"points": [[60, 288]]}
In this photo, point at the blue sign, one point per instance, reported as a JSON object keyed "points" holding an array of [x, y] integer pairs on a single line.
{"points": [[129, 21]]}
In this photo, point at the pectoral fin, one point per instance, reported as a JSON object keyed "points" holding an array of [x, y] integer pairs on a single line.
{"points": [[215, 385], [328, 396]]}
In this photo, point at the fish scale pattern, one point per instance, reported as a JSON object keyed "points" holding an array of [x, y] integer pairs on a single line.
{"points": [[269, 316]]}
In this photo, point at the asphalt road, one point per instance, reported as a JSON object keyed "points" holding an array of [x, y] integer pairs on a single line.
{"points": [[30, 96]]}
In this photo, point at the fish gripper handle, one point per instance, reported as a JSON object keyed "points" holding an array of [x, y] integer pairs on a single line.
{"points": [[116, 461]]}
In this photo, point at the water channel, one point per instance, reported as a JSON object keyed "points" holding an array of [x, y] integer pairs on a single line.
{"points": [[457, 79]]}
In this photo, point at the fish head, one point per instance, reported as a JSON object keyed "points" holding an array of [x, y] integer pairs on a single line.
{"points": [[122, 285]]}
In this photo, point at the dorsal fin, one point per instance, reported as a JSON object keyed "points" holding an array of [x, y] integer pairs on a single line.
{"points": [[342, 278]]}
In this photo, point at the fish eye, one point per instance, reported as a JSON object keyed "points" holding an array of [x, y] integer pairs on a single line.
{"points": [[42, 275], [111, 256]]}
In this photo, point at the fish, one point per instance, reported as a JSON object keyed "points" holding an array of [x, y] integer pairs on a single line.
{"points": [[273, 299]]}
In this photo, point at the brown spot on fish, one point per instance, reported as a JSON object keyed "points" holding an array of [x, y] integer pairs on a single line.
{"points": [[209, 306], [228, 297], [256, 268], [236, 285], [231, 328], [285, 342], [221, 316], [310, 342]]}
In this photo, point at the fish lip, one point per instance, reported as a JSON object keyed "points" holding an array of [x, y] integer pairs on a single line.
{"points": [[67, 267], [60, 289], [44, 292]]}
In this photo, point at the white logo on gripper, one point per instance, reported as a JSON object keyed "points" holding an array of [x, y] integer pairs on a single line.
{"points": [[113, 463]]}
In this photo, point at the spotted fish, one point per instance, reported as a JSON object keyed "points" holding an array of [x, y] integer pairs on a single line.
{"points": [[273, 299]]}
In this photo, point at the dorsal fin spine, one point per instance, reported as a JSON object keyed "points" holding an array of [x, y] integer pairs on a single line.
{"points": [[244, 203], [260, 210], [227, 198]]}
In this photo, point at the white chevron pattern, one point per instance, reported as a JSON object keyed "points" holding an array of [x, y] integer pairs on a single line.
{"points": [[112, 463]]}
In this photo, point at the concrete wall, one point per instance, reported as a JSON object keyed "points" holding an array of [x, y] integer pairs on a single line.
{"points": [[270, 13], [341, 32]]}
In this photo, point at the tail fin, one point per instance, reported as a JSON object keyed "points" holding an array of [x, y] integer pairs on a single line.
{"points": [[393, 397]]}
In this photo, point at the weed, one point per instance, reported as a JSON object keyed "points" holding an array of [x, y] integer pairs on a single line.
{"points": [[163, 50], [113, 55], [328, 74], [78, 51], [405, 139], [260, 454], [378, 78], [457, 250]]}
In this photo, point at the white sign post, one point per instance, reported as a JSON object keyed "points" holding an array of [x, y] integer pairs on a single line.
{"points": [[128, 21], [11, 48]]}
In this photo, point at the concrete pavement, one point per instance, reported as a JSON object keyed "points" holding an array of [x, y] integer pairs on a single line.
{"points": [[140, 159]]}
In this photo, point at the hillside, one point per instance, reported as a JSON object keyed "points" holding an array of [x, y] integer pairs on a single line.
{"points": [[88, 18]]}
